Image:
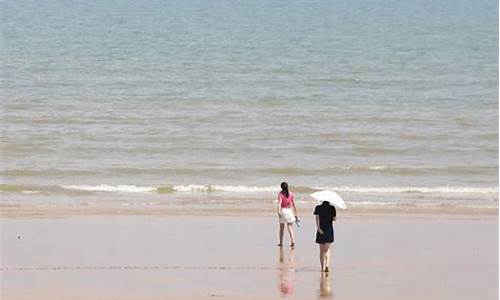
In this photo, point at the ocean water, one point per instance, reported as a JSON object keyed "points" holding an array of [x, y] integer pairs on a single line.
{"points": [[387, 102]]}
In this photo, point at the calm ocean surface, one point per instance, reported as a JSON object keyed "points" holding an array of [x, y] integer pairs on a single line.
{"points": [[387, 102]]}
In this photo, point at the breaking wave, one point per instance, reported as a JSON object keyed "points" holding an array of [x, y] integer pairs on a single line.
{"points": [[239, 189]]}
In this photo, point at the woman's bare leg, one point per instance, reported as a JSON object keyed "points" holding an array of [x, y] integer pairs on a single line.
{"points": [[282, 229], [327, 255], [321, 257], [289, 227]]}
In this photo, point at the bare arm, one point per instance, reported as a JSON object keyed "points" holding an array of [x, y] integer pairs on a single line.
{"points": [[317, 225], [279, 206], [294, 209]]}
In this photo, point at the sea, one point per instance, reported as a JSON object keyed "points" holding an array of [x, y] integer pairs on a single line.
{"points": [[127, 102]]}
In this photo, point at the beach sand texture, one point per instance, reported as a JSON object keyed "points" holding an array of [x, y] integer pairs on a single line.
{"points": [[233, 257]]}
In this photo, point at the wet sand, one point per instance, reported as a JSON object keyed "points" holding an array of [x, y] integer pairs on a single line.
{"points": [[384, 256], [218, 208]]}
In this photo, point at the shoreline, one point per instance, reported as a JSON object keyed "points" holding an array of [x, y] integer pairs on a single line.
{"points": [[17, 211]]}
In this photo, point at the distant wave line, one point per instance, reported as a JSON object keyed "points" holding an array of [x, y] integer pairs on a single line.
{"points": [[297, 171], [240, 189]]}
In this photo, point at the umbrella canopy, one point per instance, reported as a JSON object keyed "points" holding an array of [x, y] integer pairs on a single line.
{"points": [[331, 197]]}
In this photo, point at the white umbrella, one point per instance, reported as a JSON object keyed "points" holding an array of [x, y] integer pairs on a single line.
{"points": [[329, 196]]}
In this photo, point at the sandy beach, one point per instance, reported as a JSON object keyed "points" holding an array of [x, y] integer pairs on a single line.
{"points": [[376, 256]]}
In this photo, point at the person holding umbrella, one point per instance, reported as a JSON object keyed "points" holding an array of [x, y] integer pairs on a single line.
{"points": [[285, 213], [325, 215]]}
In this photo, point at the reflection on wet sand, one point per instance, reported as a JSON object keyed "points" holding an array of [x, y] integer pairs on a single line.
{"points": [[325, 287], [286, 269]]}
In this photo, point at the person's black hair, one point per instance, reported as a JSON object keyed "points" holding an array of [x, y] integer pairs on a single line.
{"points": [[284, 189]]}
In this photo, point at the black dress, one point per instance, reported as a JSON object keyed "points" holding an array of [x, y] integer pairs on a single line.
{"points": [[326, 213]]}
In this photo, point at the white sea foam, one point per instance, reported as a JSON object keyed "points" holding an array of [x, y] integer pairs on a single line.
{"points": [[413, 189], [377, 168], [204, 188], [245, 189], [111, 188], [30, 192], [191, 188], [224, 188]]}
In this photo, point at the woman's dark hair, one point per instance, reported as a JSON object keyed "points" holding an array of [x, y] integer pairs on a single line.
{"points": [[284, 188]]}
